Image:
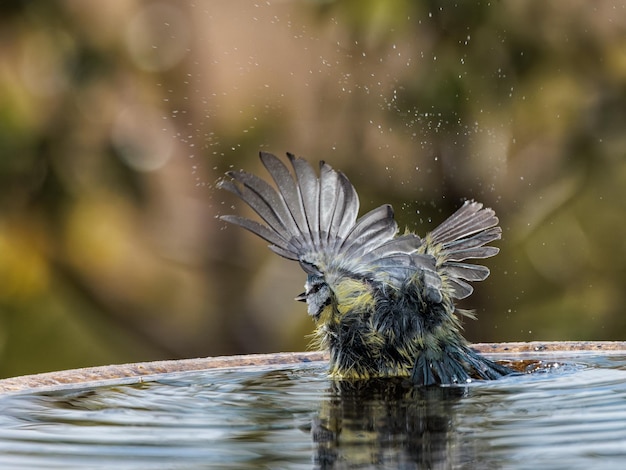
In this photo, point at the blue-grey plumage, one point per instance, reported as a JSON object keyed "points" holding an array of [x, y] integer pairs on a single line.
{"points": [[383, 303]]}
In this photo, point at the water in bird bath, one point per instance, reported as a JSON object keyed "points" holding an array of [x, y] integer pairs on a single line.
{"points": [[568, 413]]}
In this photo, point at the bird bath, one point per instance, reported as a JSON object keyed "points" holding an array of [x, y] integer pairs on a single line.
{"points": [[282, 411]]}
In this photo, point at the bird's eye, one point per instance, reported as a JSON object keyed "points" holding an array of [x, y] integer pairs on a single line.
{"points": [[315, 288]]}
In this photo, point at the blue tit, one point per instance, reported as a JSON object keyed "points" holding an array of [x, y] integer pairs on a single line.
{"points": [[383, 303]]}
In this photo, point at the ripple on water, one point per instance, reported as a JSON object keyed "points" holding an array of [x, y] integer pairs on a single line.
{"points": [[568, 414]]}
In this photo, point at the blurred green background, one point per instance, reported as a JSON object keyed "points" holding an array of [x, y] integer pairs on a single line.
{"points": [[117, 119]]}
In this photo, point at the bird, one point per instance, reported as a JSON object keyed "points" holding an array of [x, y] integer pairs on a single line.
{"points": [[383, 302]]}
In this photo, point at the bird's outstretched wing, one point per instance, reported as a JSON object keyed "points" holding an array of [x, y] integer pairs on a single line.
{"points": [[313, 219], [461, 237]]}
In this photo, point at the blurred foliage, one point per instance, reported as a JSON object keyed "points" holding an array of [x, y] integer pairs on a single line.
{"points": [[116, 119]]}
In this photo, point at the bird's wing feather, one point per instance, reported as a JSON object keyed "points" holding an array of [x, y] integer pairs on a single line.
{"points": [[370, 232], [396, 246], [290, 193], [329, 194], [309, 192], [261, 230], [265, 201], [345, 219]]}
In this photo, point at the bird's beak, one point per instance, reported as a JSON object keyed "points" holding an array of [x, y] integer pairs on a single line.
{"points": [[301, 297]]}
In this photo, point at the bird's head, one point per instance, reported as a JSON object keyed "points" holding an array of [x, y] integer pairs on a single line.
{"points": [[317, 293]]}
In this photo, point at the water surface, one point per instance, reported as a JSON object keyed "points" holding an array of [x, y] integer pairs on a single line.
{"points": [[570, 412]]}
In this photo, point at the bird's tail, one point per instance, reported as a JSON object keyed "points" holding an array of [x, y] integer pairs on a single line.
{"points": [[461, 237], [455, 362]]}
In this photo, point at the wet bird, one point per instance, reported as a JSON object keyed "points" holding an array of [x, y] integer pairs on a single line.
{"points": [[383, 302]]}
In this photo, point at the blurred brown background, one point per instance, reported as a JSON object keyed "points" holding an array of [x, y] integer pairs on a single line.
{"points": [[117, 118]]}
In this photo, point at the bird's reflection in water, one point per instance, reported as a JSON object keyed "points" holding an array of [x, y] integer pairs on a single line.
{"points": [[388, 424]]}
